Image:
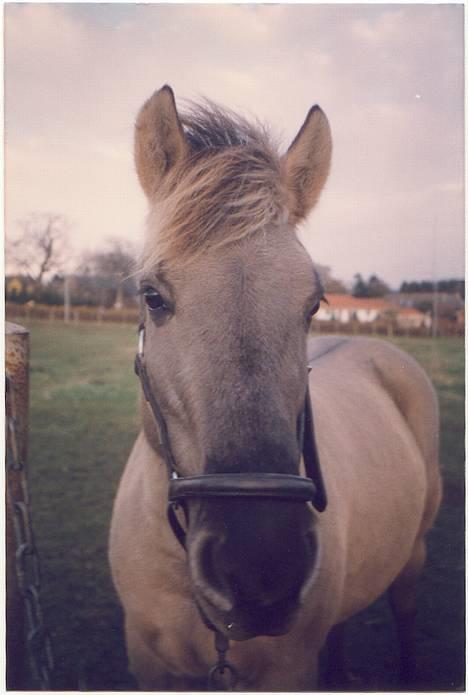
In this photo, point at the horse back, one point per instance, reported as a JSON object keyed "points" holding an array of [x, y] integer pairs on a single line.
{"points": [[385, 489], [398, 375]]}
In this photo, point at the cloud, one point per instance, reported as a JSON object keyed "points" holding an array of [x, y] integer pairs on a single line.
{"points": [[76, 75]]}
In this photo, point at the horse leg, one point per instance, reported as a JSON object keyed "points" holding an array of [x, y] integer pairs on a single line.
{"points": [[278, 679], [337, 674], [334, 674], [402, 594], [142, 663], [150, 673]]}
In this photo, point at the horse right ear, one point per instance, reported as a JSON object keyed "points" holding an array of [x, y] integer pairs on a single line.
{"points": [[306, 164], [160, 143]]}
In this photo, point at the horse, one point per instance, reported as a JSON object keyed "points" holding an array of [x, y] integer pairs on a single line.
{"points": [[302, 474]]}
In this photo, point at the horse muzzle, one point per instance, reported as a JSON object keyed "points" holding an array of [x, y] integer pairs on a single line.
{"points": [[249, 563], [248, 620]]}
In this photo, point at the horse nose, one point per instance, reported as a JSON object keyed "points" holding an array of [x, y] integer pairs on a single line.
{"points": [[252, 574], [265, 577]]}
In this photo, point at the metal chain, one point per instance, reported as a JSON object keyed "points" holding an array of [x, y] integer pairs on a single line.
{"points": [[27, 559], [223, 675]]}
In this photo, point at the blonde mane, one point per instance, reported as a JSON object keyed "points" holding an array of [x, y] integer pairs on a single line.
{"points": [[228, 188]]}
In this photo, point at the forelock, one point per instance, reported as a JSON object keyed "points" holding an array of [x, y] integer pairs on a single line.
{"points": [[228, 188]]}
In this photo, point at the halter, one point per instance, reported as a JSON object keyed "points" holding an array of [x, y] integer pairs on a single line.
{"points": [[281, 486], [270, 485]]}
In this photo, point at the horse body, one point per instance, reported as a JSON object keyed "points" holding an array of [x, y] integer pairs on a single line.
{"points": [[229, 293], [385, 486]]}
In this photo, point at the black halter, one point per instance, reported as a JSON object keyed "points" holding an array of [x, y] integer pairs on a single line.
{"points": [[270, 485]]}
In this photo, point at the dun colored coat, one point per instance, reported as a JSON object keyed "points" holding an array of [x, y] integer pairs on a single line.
{"points": [[229, 293]]}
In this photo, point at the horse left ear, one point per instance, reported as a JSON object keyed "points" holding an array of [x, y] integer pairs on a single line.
{"points": [[306, 164], [160, 143]]}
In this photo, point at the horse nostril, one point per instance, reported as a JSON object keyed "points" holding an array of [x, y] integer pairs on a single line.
{"points": [[205, 573], [208, 554], [263, 589]]}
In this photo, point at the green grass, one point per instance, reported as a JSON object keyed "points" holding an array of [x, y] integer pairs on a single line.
{"points": [[83, 419], [444, 361]]}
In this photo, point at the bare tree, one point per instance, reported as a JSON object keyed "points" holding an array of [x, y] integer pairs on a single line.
{"points": [[41, 247], [330, 284], [115, 261]]}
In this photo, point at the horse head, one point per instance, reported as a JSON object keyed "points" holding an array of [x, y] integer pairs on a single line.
{"points": [[229, 292]]}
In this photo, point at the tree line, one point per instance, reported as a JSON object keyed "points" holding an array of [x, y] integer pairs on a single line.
{"points": [[452, 286], [42, 256], [46, 266]]}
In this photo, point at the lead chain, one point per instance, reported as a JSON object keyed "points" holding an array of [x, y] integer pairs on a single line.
{"points": [[223, 675], [28, 573]]}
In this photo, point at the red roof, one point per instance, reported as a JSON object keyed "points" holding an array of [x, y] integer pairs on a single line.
{"points": [[347, 301]]}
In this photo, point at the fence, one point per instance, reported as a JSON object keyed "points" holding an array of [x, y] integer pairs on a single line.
{"points": [[14, 311], [27, 639], [387, 328], [76, 314], [17, 347]]}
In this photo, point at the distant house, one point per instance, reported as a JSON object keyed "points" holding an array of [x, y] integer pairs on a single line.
{"points": [[414, 299], [408, 317], [447, 304], [345, 308]]}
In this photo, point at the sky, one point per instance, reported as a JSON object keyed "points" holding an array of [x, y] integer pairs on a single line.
{"points": [[389, 77]]}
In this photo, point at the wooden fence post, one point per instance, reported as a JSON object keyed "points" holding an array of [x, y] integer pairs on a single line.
{"points": [[17, 371]]}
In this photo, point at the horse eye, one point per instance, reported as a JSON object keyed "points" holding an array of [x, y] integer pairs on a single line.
{"points": [[314, 309], [153, 299]]}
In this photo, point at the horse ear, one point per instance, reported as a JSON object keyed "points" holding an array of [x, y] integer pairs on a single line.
{"points": [[306, 164], [160, 143]]}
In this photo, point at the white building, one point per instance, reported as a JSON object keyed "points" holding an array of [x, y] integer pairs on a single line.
{"points": [[345, 308]]}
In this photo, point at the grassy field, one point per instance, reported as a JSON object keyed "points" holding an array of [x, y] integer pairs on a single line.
{"points": [[83, 419]]}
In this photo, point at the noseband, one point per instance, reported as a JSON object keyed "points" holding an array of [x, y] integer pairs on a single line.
{"points": [[280, 486]]}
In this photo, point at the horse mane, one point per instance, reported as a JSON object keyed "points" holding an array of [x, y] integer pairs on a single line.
{"points": [[209, 126], [229, 187]]}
